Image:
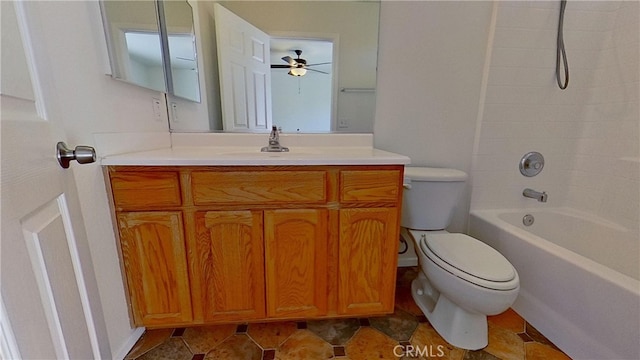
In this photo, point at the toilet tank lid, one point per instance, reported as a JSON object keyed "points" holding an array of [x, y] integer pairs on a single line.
{"points": [[434, 174]]}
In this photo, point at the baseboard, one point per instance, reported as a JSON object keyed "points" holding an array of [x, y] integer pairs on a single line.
{"points": [[128, 345]]}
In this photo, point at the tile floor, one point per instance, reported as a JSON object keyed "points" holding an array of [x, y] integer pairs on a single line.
{"points": [[387, 337]]}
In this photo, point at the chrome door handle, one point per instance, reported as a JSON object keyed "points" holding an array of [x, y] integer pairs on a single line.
{"points": [[82, 154]]}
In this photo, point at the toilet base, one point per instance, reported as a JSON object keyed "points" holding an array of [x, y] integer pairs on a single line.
{"points": [[459, 327]]}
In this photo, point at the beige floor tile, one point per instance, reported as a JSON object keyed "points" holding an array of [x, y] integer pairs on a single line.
{"points": [[537, 351], [426, 339], [303, 345], [399, 326], [334, 331], [149, 340], [504, 344], [203, 339], [509, 320], [172, 349], [369, 343], [271, 335], [237, 347]]}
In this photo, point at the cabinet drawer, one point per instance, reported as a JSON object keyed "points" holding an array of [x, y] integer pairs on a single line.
{"points": [[370, 185], [259, 187], [135, 190]]}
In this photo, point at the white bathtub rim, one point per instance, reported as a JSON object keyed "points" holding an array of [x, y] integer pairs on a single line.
{"points": [[625, 281], [559, 210]]}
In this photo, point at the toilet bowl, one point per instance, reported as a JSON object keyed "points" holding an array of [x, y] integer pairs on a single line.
{"points": [[461, 279]]}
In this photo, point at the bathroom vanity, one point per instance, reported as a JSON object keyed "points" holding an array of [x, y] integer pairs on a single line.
{"points": [[239, 236]]}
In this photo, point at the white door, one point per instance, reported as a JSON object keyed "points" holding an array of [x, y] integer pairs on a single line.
{"points": [[49, 299], [245, 72]]}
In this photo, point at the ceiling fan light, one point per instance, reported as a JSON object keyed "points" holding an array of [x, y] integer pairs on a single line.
{"points": [[297, 71]]}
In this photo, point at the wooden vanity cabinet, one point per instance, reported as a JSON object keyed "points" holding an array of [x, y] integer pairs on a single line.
{"points": [[152, 246], [368, 246], [229, 264], [220, 244], [296, 250]]}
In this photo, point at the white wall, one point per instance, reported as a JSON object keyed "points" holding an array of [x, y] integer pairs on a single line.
{"points": [[301, 104], [588, 133], [430, 62]]}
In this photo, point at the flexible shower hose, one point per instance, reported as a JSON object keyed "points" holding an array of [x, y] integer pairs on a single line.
{"points": [[560, 52]]}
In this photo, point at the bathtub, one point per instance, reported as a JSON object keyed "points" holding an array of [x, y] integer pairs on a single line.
{"points": [[579, 277]]}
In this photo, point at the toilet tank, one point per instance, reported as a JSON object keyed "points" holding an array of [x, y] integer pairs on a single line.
{"points": [[430, 200]]}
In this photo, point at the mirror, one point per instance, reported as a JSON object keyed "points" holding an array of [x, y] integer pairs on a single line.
{"points": [[152, 44], [297, 103], [345, 34], [181, 41]]}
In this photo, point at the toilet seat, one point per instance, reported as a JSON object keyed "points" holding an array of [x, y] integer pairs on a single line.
{"points": [[469, 259]]}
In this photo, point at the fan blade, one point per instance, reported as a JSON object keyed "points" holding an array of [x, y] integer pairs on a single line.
{"points": [[318, 71], [324, 63], [289, 60], [282, 66]]}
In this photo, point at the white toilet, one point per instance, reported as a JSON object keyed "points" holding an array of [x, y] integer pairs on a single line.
{"points": [[461, 279]]}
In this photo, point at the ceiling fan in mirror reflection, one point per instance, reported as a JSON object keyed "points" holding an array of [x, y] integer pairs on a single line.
{"points": [[298, 66]]}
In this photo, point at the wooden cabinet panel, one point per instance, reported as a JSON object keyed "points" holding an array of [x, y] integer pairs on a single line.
{"points": [[253, 243], [230, 264], [141, 190], [258, 187], [155, 264], [367, 260], [370, 185], [296, 262]]}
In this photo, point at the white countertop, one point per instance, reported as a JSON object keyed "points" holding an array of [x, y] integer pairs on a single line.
{"points": [[244, 155]]}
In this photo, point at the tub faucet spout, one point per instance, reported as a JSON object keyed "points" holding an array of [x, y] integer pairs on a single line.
{"points": [[530, 193]]}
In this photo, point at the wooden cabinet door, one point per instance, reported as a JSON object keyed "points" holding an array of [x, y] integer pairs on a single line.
{"points": [[230, 264], [155, 262], [367, 260], [296, 262]]}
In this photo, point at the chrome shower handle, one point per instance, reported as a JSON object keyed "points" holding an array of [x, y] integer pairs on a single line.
{"points": [[531, 164]]}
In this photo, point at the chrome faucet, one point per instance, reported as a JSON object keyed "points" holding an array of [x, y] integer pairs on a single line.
{"points": [[274, 142], [530, 193]]}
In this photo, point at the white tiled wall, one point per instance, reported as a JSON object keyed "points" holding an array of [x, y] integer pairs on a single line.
{"points": [[588, 133]]}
